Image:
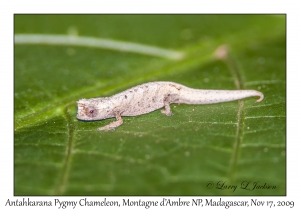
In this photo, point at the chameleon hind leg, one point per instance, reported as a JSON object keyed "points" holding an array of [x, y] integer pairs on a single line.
{"points": [[170, 98]]}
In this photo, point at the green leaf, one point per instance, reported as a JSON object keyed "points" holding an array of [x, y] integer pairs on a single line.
{"points": [[194, 152]]}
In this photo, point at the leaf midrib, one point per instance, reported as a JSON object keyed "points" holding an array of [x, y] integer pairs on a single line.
{"points": [[111, 87]]}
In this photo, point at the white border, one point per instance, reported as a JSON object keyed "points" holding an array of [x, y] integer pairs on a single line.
{"points": [[8, 8]]}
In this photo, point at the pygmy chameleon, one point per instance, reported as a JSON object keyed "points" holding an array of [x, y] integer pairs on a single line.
{"points": [[151, 96]]}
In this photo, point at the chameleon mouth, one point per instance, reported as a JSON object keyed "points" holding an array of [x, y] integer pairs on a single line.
{"points": [[80, 111]]}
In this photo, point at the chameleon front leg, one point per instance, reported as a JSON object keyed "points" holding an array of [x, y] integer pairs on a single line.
{"points": [[114, 124], [167, 101]]}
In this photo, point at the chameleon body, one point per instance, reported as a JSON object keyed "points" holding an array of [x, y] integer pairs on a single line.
{"points": [[151, 96]]}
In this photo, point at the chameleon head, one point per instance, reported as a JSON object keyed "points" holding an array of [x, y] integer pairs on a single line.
{"points": [[91, 109]]}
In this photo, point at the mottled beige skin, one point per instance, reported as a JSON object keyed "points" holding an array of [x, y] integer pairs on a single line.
{"points": [[151, 96]]}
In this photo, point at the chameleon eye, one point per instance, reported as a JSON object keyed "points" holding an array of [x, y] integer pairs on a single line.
{"points": [[92, 112]]}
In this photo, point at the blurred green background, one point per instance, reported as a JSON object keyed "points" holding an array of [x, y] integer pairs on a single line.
{"points": [[198, 150]]}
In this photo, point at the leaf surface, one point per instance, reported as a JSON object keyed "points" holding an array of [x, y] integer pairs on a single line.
{"points": [[197, 151]]}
